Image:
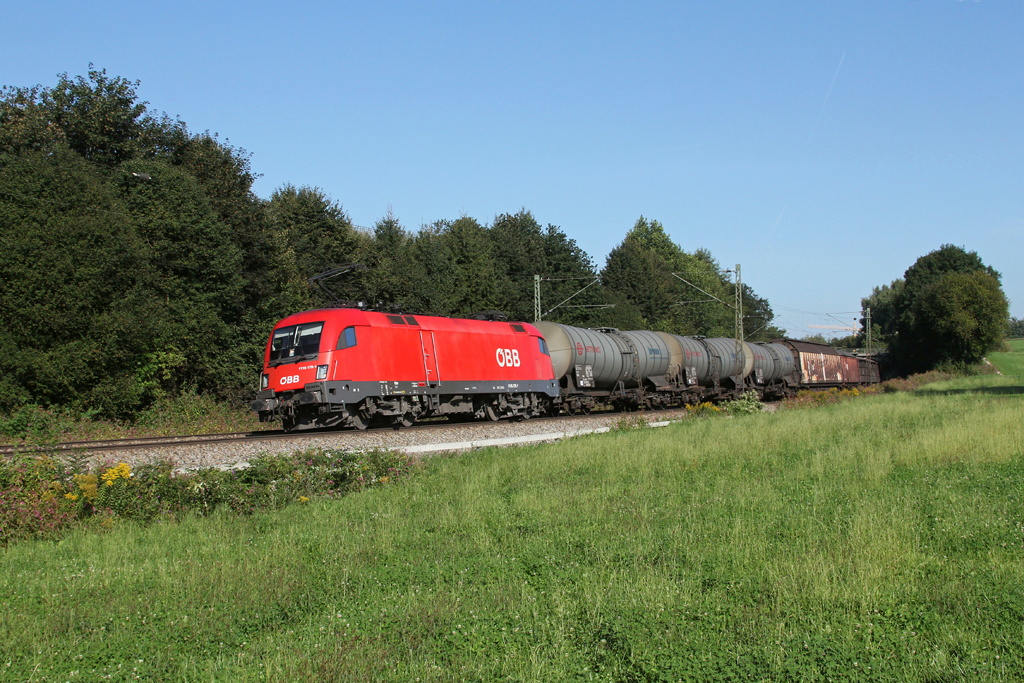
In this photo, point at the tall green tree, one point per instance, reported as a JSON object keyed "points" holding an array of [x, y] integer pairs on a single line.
{"points": [[187, 283], [73, 294], [393, 271], [962, 316], [921, 329], [675, 291], [641, 277], [883, 303], [570, 272], [313, 234], [476, 271], [436, 279], [517, 242], [98, 118], [195, 270], [524, 249]]}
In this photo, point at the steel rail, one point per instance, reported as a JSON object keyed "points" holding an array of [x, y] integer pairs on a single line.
{"points": [[184, 440]]}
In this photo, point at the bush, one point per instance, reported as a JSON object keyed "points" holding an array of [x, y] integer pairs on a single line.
{"points": [[703, 410], [41, 497], [748, 404], [188, 413], [36, 424], [32, 498]]}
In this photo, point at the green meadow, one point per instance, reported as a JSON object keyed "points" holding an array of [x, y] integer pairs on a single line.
{"points": [[1012, 362], [881, 538]]}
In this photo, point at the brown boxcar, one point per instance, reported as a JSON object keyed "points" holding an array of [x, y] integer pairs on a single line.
{"points": [[820, 365]]}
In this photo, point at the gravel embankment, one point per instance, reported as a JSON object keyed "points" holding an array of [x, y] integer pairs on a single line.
{"points": [[214, 455]]}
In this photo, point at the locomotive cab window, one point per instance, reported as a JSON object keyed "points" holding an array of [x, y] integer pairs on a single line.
{"points": [[296, 342], [543, 346], [347, 339]]}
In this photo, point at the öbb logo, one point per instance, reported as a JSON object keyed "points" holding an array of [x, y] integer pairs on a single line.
{"points": [[507, 358]]}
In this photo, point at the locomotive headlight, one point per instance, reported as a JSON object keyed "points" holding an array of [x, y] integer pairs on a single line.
{"points": [[264, 381], [321, 372]]}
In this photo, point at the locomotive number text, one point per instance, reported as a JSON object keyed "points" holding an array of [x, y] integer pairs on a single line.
{"points": [[507, 358]]}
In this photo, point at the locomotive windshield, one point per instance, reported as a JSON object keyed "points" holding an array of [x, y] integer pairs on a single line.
{"points": [[295, 343]]}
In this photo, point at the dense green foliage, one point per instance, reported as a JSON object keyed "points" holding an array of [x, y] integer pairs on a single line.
{"points": [[679, 292], [136, 259], [949, 307], [43, 497], [877, 539], [962, 316], [1015, 328], [185, 413], [139, 264]]}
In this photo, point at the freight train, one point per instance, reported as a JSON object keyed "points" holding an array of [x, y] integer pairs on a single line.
{"points": [[349, 366]]}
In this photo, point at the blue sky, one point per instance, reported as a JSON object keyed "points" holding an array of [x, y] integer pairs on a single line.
{"points": [[823, 146]]}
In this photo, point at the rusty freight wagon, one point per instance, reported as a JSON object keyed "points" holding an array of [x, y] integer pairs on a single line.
{"points": [[820, 365]]}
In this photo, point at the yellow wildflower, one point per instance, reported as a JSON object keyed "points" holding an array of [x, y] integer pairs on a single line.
{"points": [[122, 471], [87, 485]]}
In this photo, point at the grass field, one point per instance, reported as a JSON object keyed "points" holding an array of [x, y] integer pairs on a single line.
{"points": [[1011, 363], [878, 539]]}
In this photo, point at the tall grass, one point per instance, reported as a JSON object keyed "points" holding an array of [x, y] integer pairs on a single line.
{"points": [[188, 413], [876, 539]]}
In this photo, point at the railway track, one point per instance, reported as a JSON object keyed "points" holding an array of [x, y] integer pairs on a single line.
{"points": [[136, 443], [157, 442]]}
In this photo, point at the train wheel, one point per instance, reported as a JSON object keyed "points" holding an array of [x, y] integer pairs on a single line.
{"points": [[356, 420], [405, 420], [491, 412], [287, 423], [586, 408]]}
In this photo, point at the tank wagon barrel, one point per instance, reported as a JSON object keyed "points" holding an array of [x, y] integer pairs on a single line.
{"points": [[592, 359], [641, 367]]}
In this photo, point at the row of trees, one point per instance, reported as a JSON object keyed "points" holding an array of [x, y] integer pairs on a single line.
{"points": [[139, 263], [949, 307]]}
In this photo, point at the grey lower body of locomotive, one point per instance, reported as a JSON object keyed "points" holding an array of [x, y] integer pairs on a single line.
{"points": [[356, 404]]}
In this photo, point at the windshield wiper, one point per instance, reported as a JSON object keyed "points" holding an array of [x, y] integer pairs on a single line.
{"points": [[293, 359]]}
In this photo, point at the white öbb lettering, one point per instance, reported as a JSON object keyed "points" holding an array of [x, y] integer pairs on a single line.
{"points": [[507, 358], [291, 379]]}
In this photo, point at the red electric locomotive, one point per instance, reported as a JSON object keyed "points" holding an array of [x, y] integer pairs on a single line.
{"points": [[346, 366]]}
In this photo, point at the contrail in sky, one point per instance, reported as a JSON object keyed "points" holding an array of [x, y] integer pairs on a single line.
{"points": [[774, 227], [828, 93]]}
